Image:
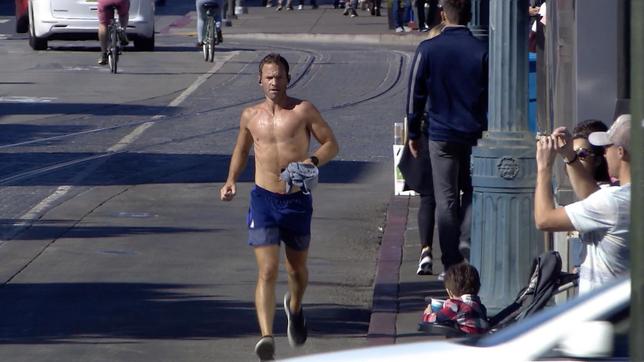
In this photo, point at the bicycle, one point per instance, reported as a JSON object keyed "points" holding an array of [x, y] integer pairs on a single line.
{"points": [[116, 33], [213, 34]]}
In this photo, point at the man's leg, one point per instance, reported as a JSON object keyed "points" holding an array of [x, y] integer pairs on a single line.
{"points": [[445, 173], [102, 37], [268, 266], [298, 276], [465, 210]]}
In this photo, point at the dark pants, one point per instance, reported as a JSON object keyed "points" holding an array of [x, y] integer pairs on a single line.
{"points": [[426, 219], [451, 173]]}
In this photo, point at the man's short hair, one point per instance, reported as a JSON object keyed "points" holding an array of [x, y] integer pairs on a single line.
{"points": [[619, 134], [462, 278], [274, 58], [457, 11]]}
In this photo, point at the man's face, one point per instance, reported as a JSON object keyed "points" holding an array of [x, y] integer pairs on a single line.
{"points": [[613, 159], [274, 81]]}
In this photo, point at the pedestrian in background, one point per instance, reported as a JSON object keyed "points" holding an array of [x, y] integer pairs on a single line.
{"points": [[451, 71], [603, 214], [400, 10], [593, 160]]}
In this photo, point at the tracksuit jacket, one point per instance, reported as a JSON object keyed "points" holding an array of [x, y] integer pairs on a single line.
{"points": [[453, 68]]}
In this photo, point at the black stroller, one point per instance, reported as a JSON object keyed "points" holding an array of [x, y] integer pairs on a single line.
{"points": [[546, 280]]}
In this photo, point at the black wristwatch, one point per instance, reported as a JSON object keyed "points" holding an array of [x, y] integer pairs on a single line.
{"points": [[315, 160]]}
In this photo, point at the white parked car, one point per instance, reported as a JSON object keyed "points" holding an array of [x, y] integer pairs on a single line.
{"points": [[591, 327], [78, 20]]}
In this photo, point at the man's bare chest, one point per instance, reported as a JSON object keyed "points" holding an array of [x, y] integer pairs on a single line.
{"points": [[277, 129]]}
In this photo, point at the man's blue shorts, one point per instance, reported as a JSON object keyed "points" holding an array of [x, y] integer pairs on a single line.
{"points": [[273, 217]]}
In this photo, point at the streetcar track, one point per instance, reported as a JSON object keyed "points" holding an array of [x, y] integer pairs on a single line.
{"points": [[302, 79]]}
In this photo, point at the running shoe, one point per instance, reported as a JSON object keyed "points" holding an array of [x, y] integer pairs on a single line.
{"points": [[278, 8], [353, 13], [441, 277], [220, 36], [289, 7], [425, 263], [296, 330], [265, 349], [346, 11], [300, 7], [400, 29], [103, 59]]}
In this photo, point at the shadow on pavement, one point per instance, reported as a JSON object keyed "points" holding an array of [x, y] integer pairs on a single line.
{"points": [[12, 108], [411, 296], [53, 229], [145, 168], [42, 313]]}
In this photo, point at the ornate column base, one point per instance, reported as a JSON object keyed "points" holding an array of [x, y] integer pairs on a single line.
{"points": [[504, 237]]}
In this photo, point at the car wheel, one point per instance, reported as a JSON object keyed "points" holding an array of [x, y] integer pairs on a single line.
{"points": [[144, 44], [35, 42]]}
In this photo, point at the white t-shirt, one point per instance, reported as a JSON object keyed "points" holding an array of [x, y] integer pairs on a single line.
{"points": [[603, 219]]}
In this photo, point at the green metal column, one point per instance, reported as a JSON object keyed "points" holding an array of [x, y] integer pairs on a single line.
{"points": [[504, 238], [637, 187]]}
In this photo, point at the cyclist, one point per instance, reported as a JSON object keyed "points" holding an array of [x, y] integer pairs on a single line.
{"points": [[202, 18], [105, 16]]}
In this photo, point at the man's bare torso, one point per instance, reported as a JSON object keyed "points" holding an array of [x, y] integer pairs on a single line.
{"points": [[280, 136]]}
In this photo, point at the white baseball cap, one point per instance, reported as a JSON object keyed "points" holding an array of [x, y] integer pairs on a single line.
{"points": [[618, 134]]}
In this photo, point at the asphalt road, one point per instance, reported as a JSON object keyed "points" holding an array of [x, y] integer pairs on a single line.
{"points": [[113, 244]]}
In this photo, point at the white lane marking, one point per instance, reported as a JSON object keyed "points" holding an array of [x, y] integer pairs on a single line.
{"points": [[45, 204], [35, 211], [202, 78], [21, 99], [130, 137]]}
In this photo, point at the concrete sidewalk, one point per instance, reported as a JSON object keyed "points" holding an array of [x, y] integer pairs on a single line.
{"points": [[324, 24], [399, 294]]}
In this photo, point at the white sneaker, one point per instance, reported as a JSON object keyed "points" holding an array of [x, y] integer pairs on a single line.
{"points": [[400, 29], [300, 7], [425, 263]]}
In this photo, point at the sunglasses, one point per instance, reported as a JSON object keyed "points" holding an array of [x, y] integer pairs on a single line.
{"points": [[582, 153]]}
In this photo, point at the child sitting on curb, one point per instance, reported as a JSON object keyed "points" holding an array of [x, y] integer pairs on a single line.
{"points": [[463, 308]]}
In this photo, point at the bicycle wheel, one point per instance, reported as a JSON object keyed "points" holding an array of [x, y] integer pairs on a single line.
{"points": [[206, 40], [212, 40], [113, 52], [204, 46]]}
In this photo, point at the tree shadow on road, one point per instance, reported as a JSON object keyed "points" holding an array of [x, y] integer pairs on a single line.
{"points": [[44, 313]]}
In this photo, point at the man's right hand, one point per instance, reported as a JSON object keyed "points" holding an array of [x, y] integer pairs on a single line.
{"points": [[228, 191], [414, 147]]}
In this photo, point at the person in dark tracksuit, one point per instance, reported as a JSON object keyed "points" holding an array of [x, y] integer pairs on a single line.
{"points": [[451, 71]]}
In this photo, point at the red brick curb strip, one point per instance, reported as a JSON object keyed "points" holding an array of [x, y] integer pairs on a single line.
{"points": [[382, 325]]}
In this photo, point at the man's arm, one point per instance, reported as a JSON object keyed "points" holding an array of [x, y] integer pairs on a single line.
{"points": [[239, 157], [547, 217], [323, 134], [581, 180], [416, 99]]}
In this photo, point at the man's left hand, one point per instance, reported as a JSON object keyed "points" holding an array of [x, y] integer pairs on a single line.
{"points": [[545, 152]]}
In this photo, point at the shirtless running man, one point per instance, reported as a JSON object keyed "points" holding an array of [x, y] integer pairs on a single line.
{"points": [[280, 130]]}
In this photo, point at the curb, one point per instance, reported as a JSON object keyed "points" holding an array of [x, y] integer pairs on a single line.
{"points": [[386, 39], [384, 310]]}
